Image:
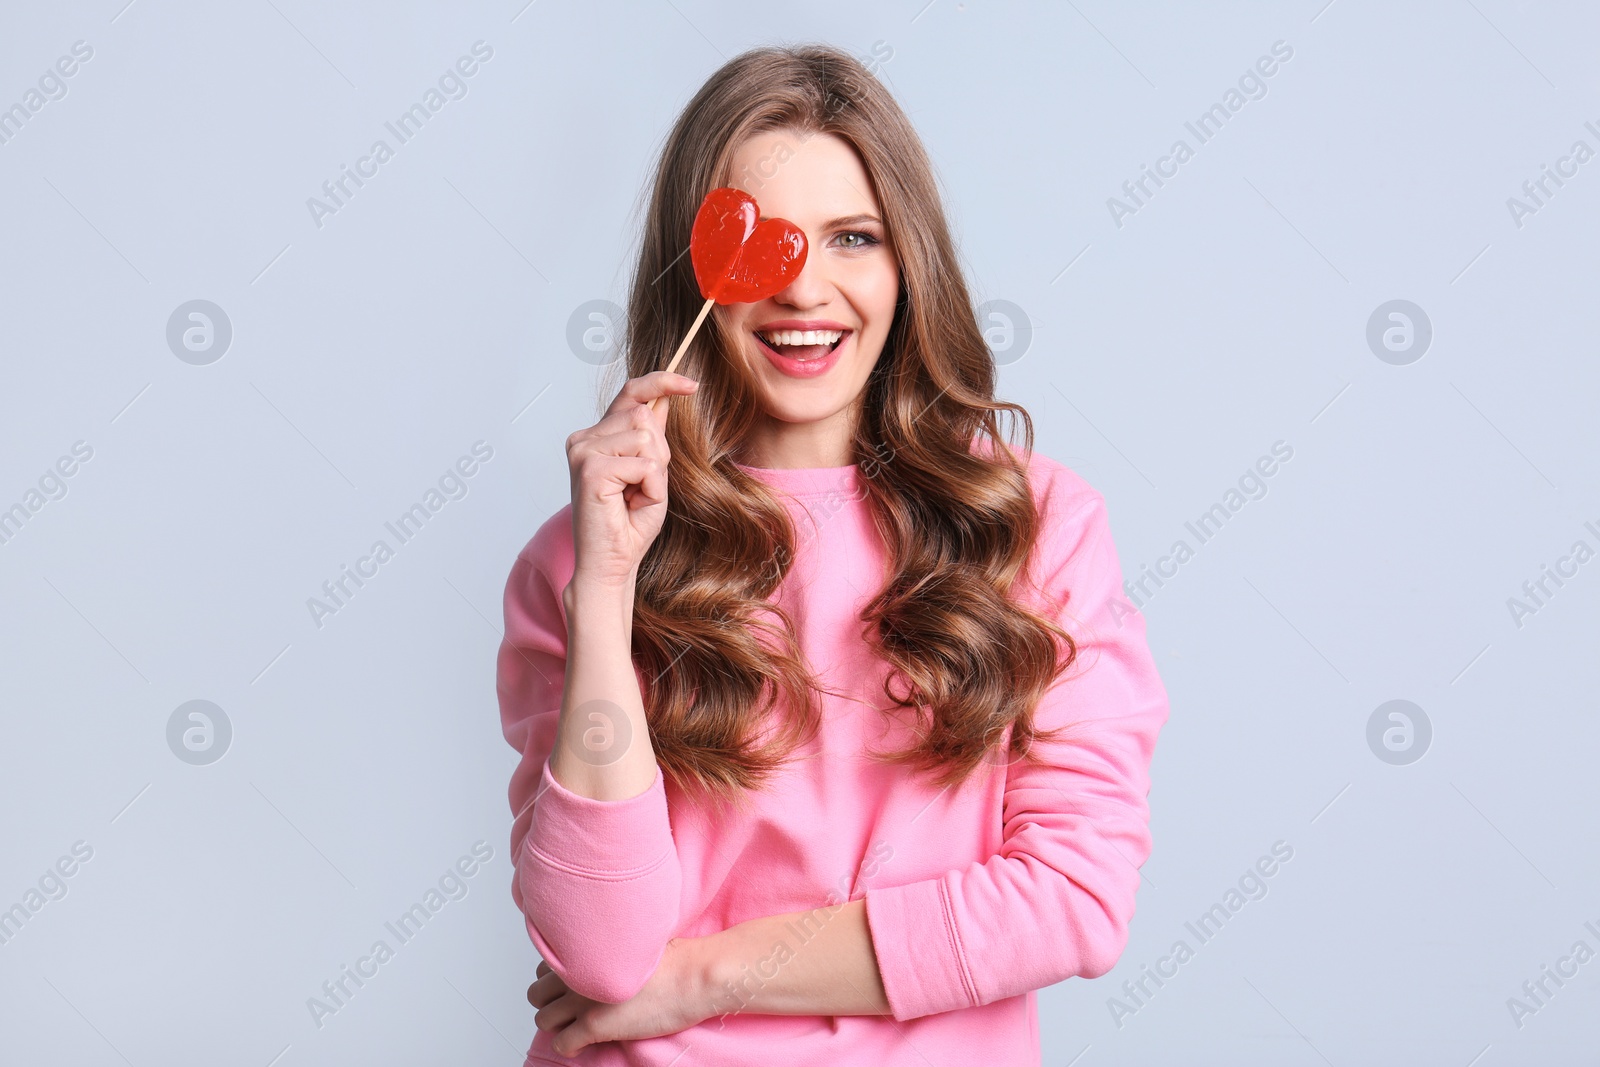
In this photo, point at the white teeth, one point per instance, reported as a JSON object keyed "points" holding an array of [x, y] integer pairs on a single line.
{"points": [[802, 337]]}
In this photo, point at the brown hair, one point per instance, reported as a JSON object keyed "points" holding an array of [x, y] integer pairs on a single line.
{"points": [[958, 520]]}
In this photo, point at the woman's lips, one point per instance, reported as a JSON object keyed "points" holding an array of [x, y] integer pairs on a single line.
{"points": [[804, 361]]}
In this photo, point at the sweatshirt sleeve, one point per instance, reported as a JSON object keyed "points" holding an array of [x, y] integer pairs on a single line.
{"points": [[1056, 900], [597, 882]]}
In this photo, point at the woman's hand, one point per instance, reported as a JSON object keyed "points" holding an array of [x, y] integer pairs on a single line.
{"points": [[671, 1001], [619, 481]]}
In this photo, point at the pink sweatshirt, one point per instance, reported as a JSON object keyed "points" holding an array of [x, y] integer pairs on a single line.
{"points": [[977, 896]]}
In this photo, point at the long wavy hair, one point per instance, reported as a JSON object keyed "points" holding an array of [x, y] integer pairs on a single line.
{"points": [[955, 512]]}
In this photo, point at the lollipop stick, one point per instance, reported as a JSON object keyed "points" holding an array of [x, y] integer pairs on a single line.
{"points": [[672, 366]]}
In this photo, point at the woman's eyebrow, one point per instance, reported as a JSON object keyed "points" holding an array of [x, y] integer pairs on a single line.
{"points": [[852, 220], [843, 220]]}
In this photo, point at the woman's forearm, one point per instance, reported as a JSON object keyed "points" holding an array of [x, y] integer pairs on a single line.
{"points": [[818, 962], [603, 748]]}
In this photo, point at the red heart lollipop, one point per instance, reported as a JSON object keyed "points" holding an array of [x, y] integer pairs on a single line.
{"points": [[737, 259]]}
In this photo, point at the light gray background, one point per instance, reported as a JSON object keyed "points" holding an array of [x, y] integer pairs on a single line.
{"points": [[1168, 354]]}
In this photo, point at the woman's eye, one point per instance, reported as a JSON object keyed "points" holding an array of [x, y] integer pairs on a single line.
{"points": [[863, 240]]}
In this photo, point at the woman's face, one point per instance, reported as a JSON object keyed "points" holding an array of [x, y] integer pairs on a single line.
{"points": [[845, 295]]}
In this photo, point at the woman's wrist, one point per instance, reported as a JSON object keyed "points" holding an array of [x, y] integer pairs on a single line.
{"points": [[696, 975], [586, 598]]}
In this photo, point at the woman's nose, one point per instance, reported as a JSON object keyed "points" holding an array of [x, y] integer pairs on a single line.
{"points": [[810, 287]]}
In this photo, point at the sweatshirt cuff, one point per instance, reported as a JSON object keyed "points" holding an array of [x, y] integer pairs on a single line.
{"points": [[608, 839], [920, 956]]}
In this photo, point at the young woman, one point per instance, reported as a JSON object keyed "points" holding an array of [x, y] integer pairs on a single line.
{"points": [[836, 748]]}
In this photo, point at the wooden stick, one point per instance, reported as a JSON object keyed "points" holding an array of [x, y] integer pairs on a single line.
{"points": [[672, 366]]}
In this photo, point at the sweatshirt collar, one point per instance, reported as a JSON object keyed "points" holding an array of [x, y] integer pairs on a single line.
{"points": [[809, 481]]}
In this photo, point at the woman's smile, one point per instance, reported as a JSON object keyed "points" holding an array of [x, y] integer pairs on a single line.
{"points": [[803, 348]]}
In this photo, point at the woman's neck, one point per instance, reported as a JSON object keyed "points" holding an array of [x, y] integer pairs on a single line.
{"points": [[779, 445]]}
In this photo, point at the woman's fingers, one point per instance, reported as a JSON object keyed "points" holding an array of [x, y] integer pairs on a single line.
{"points": [[542, 996], [647, 387], [628, 442], [647, 472], [557, 1014], [558, 1006], [546, 988], [630, 428]]}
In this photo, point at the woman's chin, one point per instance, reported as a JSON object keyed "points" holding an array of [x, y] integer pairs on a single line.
{"points": [[782, 405]]}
